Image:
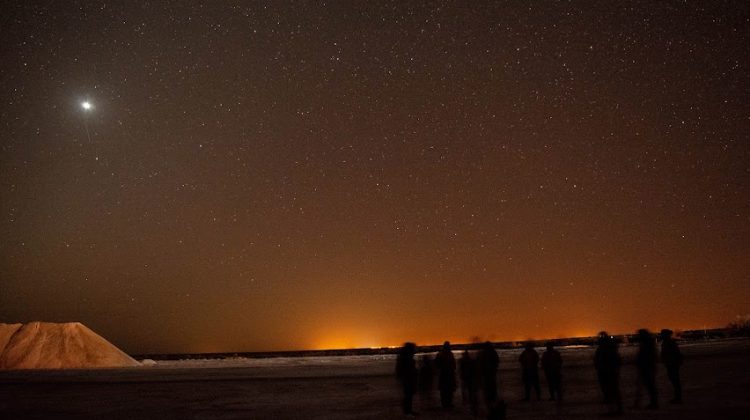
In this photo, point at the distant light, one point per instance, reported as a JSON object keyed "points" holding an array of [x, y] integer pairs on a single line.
{"points": [[86, 105]]}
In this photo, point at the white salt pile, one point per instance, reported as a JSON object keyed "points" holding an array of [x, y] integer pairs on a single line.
{"points": [[46, 345]]}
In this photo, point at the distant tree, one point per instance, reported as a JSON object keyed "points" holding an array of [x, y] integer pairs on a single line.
{"points": [[740, 326]]}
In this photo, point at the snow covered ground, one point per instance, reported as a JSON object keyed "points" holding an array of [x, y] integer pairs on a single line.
{"points": [[716, 379]]}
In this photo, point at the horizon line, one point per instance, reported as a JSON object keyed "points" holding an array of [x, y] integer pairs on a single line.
{"points": [[510, 343]]}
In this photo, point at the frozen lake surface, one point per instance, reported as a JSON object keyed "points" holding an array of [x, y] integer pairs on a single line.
{"points": [[716, 378]]}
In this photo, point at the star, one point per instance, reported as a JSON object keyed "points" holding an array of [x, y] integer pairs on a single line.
{"points": [[86, 105]]}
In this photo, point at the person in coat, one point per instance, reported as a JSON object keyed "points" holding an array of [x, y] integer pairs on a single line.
{"points": [[671, 357], [552, 366], [446, 364], [607, 364], [529, 360], [406, 373]]}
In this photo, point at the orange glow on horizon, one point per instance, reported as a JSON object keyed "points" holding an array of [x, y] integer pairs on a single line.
{"points": [[349, 341]]}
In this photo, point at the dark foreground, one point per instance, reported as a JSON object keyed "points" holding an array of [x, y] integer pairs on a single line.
{"points": [[716, 379]]}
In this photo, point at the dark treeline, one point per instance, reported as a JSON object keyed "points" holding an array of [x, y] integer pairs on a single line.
{"points": [[685, 336]]}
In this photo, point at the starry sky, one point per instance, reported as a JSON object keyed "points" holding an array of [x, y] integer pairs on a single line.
{"points": [[303, 175]]}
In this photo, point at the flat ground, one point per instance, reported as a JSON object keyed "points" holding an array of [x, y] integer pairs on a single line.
{"points": [[716, 378]]}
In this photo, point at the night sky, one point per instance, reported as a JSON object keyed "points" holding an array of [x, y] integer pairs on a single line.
{"points": [[360, 173]]}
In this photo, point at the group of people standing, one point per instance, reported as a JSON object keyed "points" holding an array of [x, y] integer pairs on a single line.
{"points": [[607, 363], [478, 374], [551, 365]]}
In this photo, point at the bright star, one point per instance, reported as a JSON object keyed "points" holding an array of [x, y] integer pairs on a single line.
{"points": [[86, 105]]}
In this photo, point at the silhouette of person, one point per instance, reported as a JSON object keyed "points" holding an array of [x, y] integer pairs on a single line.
{"points": [[607, 364], [467, 370], [488, 364], [672, 359], [552, 366], [425, 378], [646, 363], [446, 364], [529, 360], [406, 372]]}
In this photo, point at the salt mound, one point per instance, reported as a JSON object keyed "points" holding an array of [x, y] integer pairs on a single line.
{"points": [[46, 345], [6, 332]]}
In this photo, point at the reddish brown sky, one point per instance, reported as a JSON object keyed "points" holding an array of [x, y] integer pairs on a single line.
{"points": [[308, 175]]}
